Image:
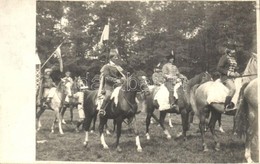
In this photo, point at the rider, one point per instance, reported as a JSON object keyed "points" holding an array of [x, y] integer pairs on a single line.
{"points": [[157, 77], [227, 66], [172, 75], [111, 76], [47, 85]]}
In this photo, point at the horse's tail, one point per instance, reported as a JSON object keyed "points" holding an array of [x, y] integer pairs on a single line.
{"points": [[192, 99], [241, 117]]}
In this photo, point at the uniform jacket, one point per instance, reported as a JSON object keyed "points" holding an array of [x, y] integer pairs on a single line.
{"points": [[110, 73], [47, 82], [170, 71], [226, 63]]}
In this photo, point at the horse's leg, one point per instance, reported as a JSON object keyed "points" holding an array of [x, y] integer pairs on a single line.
{"points": [[107, 130], [161, 121], [64, 108], [94, 122], [170, 120], [53, 124], [214, 117], [38, 115], [202, 126], [248, 148], [118, 133], [148, 121], [59, 117], [102, 123], [220, 125], [71, 113], [185, 123], [137, 138], [86, 126]]}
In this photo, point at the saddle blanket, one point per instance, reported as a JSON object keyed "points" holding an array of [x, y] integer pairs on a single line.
{"points": [[115, 94], [218, 91], [162, 97]]}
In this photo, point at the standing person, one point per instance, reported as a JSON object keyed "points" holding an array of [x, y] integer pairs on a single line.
{"points": [[172, 77], [227, 67], [111, 76], [48, 87]]}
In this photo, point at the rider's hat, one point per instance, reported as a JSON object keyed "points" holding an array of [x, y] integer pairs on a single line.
{"points": [[47, 70], [113, 53]]}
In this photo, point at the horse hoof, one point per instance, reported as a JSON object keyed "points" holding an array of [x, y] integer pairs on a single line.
{"points": [[221, 130], [169, 137], [148, 136], [184, 138], [92, 131], [217, 147], [118, 149], [139, 150], [205, 150], [105, 147], [108, 132], [179, 134], [85, 143], [62, 133], [77, 130]]}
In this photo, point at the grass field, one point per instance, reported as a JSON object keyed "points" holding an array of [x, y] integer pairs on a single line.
{"points": [[69, 147]]}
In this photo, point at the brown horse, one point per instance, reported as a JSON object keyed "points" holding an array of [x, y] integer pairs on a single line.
{"points": [[63, 89], [246, 118], [204, 108], [183, 102], [125, 108]]}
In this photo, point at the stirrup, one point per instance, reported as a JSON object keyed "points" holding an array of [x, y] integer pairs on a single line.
{"points": [[101, 112]]}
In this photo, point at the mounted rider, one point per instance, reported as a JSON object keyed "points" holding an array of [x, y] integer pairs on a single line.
{"points": [[227, 67], [172, 77], [48, 86], [111, 76]]}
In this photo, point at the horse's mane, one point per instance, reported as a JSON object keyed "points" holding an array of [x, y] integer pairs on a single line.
{"points": [[251, 69]]}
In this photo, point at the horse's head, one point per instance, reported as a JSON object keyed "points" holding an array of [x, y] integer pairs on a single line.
{"points": [[66, 86], [205, 76]]}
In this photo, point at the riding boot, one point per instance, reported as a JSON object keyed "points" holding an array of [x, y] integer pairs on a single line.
{"points": [[227, 104], [46, 104], [156, 104]]}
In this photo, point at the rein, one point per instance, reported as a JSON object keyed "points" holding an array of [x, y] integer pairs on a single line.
{"points": [[247, 75]]}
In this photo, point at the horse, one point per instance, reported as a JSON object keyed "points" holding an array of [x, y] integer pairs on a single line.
{"points": [[207, 102], [246, 118], [77, 86], [124, 108], [184, 105], [63, 89]]}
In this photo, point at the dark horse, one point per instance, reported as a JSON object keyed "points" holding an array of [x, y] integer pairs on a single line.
{"points": [[183, 102], [126, 108], [246, 118]]}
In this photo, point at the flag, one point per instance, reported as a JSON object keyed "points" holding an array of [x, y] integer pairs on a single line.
{"points": [[105, 34], [57, 54]]}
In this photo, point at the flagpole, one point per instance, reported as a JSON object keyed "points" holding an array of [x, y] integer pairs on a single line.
{"points": [[51, 56]]}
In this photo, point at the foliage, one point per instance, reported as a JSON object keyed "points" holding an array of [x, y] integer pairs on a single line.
{"points": [[144, 32]]}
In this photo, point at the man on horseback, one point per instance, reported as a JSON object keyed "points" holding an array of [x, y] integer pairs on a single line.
{"points": [[227, 67], [172, 77], [47, 84], [111, 76]]}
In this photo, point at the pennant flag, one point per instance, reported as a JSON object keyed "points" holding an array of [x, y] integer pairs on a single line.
{"points": [[57, 54], [105, 34]]}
